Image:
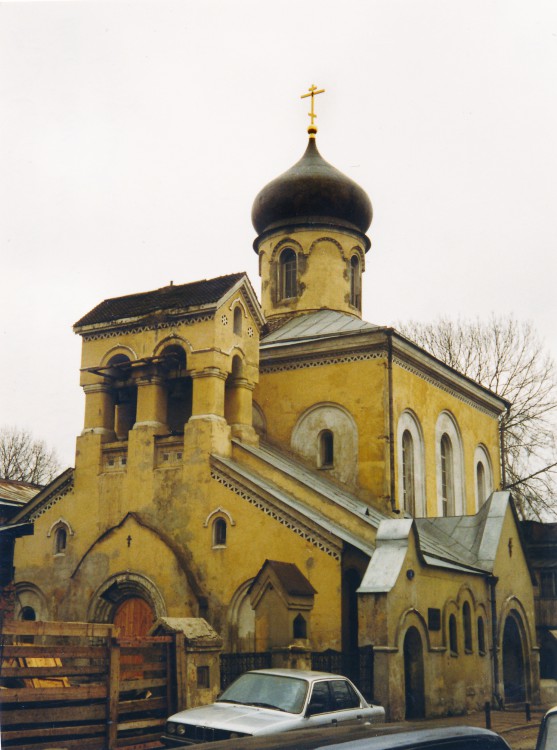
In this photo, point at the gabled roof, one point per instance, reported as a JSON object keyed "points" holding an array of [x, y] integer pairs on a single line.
{"points": [[467, 540], [290, 576], [181, 298], [60, 485]]}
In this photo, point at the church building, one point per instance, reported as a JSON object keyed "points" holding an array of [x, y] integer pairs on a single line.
{"points": [[293, 474]]}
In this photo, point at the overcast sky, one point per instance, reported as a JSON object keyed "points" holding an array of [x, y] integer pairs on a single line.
{"points": [[135, 136]]}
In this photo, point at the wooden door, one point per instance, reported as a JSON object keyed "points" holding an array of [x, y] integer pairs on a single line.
{"points": [[134, 617]]}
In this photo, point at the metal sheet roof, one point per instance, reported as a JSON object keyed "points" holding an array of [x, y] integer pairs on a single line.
{"points": [[317, 325]]}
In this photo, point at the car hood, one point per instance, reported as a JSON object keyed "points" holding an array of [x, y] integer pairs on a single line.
{"points": [[235, 717]]}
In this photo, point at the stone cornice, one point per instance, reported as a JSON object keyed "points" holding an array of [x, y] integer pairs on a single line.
{"points": [[374, 344]]}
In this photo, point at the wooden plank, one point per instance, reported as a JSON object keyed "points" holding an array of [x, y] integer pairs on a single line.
{"points": [[180, 674], [88, 743], [113, 695], [141, 704], [66, 671], [31, 695], [45, 732], [140, 724], [144, 641], [83, 629], [153, 682], [24, 715], [64, 652]]}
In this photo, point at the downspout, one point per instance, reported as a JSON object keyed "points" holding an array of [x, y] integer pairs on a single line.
{"points": [[502, 423], [492, 582], [391, 431]]}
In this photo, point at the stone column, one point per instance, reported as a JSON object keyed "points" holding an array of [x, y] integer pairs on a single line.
{"points": [[207, 430], [99, 411], [151, 404], [239, 409]]}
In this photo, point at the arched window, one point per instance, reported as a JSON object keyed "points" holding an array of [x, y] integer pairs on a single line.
{"points": [[238, 320], [355, 282], [480, 482], [484, 477], [453, 644], [219, 533], [447, 476], [179, 388], [481, 636], [467, 626], [326, 449], [299, 627], [410, 465], [28, 614], [288, 280], [408, 477], [60, 540]]}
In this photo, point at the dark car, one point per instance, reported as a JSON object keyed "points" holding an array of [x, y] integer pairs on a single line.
{"points": [[373, 737]]}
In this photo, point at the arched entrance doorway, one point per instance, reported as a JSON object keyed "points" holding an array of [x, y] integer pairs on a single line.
{"points": [[414, 675], [513, 663], [133, 617]]}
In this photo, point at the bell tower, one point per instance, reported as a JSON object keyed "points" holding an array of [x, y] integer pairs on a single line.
{"points": [[311, 223]]}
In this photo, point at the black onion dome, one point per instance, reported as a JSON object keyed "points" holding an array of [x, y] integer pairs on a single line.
{"points": [[312, 192]]}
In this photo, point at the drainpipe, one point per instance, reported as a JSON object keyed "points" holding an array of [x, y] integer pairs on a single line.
{"points": [[492, 582], [502, 422], [391, 432]]}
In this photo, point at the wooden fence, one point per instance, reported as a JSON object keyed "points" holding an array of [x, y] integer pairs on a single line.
{"points": [[74, 685]]}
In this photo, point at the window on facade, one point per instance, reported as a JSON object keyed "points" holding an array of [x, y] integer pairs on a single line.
{"points": [[28, 614], [60, 540], [203, 677], [219, 533], [288, 274], [453, 644], [238, 320], [548, 584], [408, 476], [299, 627], [467, 627], [326, 449], [481, 636], [355, 282], [447, 475], [480, 483]]}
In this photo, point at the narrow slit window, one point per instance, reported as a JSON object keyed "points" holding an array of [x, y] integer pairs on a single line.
{"points": [[447, 475], [326, 449], [355, 282], [408, 476], [288, 274], [219, 533]]}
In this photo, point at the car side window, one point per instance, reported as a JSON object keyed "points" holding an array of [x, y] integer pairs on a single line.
{"points": [[320, 701], [344, 695]]}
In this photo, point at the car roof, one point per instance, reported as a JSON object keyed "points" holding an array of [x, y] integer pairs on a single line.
{"points": [[304, 674], [361, 737]]}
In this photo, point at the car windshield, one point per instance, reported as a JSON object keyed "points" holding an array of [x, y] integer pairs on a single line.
{"points": [[268, 691]]}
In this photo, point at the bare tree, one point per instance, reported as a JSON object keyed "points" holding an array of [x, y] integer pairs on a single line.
{"points": [[25, 459], [508, 358]]}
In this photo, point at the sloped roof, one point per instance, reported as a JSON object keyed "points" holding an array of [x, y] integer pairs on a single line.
{"points": [[17, 493], [175, 297], [280, 498], [317, 325], [291, 577], [315, 480], [60, 484]]}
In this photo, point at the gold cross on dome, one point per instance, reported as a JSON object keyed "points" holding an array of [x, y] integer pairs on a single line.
{"points": [[313, 91]]}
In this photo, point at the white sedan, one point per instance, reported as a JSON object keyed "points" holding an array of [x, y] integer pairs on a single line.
{"points": [[268, 701]]}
